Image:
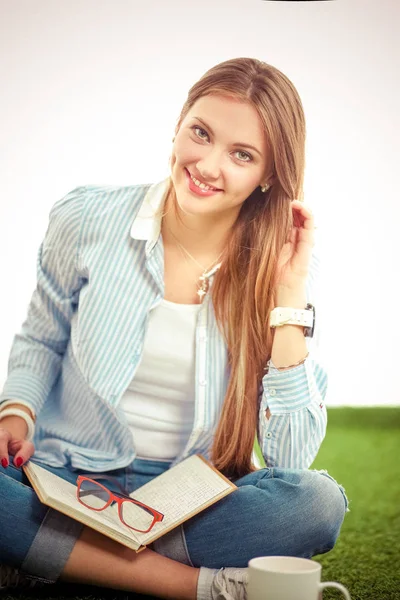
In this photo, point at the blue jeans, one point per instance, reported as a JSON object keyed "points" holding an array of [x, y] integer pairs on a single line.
{"points": [[275, 511]]}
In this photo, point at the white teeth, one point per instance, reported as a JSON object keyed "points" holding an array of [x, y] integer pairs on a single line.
{"points": [[201, 185]]}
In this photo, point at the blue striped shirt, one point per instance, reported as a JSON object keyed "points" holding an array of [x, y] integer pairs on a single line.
{"points": [[100, 270]]}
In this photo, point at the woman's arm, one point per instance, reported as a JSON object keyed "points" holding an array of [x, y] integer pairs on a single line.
{"points": [[293, 417], [14, 424], [37, 351], [289, 345]]}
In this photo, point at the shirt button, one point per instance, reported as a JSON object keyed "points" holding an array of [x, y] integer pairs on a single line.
{"points": [[202, 382], [269, 435], [272, 392]]}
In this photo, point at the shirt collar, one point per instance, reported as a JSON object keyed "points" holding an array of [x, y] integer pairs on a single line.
{"points": [[147, 223]]}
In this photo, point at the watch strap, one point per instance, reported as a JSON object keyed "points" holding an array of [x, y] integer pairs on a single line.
{"points": [[287, 315]]}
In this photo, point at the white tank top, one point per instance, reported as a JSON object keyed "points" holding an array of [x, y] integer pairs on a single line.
{"points": [[159, 402]]}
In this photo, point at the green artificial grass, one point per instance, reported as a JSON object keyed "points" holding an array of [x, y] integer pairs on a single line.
{"points": [[362, 452]]}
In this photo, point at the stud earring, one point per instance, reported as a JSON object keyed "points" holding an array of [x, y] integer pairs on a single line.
{"points": [[265, 187]]}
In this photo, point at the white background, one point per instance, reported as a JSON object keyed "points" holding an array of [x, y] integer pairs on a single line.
{"points": [[91, 91]]}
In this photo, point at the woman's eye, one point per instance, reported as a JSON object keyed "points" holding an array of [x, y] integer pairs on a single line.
{"points": [[196, 127], [246, 155]]}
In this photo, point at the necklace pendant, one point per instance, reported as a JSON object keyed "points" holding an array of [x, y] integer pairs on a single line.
{"points": [[201, 292]]}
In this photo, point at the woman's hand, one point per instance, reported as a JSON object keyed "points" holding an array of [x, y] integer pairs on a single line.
{"points": [[13, 443], [295, 257]]}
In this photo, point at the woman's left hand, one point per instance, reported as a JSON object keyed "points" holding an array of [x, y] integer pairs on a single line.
{"points": [[295, 257]]}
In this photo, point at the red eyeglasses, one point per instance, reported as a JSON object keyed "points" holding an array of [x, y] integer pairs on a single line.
{"points": [[132, 513]]}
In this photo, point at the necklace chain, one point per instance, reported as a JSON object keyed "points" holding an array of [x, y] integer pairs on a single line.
{"points": [[202, 282]]}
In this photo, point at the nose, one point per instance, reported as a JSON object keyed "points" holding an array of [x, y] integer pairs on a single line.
{"points": [[209, 166]]}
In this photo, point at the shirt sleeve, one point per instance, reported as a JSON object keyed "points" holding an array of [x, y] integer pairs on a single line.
{"points": [[38, 349], [293, 434]]}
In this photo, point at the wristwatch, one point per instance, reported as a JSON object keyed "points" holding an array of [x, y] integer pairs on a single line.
{"points": [[286, 315]]}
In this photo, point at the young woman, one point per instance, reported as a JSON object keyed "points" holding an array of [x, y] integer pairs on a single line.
{"points": [[173, 319]]}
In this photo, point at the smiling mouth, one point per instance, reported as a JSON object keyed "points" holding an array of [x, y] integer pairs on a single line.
{"points": [[201, 185]]}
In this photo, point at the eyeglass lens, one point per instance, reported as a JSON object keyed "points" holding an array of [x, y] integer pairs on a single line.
{"points": [[136, 516], [93, 495]]}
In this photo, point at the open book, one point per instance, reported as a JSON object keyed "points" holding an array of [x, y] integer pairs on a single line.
{"points": [[179, 493]]}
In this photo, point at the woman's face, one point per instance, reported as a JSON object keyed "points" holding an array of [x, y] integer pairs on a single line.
{"points": [[213, 146]]}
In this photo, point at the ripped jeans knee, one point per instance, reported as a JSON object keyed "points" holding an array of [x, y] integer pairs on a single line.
{"points": [[325, 473]]}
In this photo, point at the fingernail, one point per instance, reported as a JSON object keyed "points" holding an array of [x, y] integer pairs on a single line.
{"points": [[4, 462], [19, 461]]}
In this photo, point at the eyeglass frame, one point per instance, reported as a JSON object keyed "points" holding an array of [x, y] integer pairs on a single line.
{"points": [[119, 498]]}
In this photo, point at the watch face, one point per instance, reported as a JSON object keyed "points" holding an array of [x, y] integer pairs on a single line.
{"points": [[309, 331]]}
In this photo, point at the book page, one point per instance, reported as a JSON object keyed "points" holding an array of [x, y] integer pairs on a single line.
{"points": [[180, 491], [63, 496]]}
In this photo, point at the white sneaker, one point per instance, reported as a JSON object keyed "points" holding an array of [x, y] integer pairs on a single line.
{"points": [[12, 578], [230, 584]]}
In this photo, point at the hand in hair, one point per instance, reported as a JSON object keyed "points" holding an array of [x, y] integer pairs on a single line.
{"points": [[294, 260]]}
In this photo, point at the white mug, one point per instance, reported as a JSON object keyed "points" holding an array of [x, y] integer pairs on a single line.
{"points": [[287, 578]]}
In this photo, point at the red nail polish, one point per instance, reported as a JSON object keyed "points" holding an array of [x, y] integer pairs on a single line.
{"points": [[4, 462], [19, 461]]}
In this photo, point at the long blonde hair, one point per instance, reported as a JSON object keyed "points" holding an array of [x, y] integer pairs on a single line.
{"points": [[244, 287]]}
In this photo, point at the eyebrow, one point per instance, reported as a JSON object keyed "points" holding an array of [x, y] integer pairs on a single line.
{"points": [[236, 144]]}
